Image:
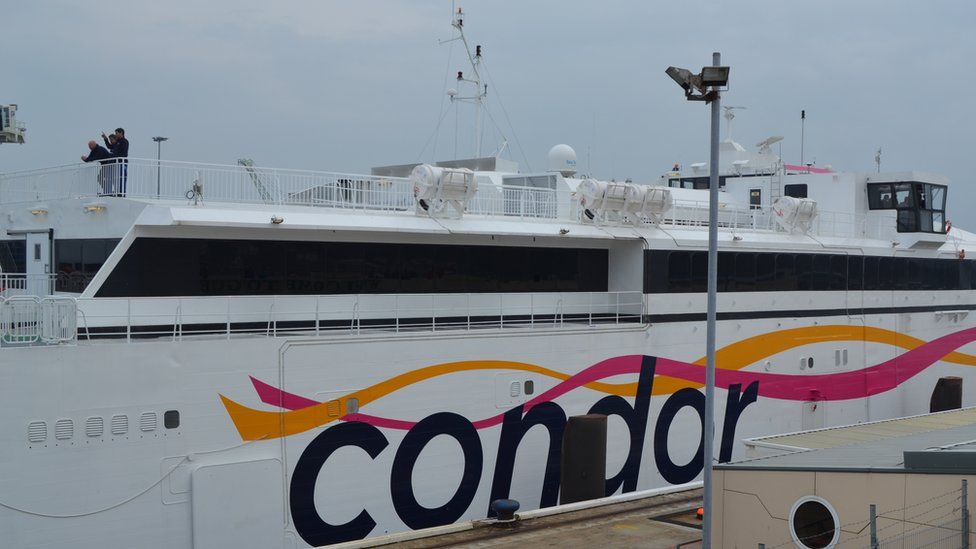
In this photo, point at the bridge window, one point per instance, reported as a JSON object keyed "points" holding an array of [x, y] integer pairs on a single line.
{"points": [[796, 190], [921, 206]]}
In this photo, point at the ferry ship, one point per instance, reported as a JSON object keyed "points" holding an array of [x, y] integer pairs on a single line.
{"points": [[198, 355]]}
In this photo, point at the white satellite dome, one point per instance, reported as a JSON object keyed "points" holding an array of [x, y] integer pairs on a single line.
{"points": [[562, 159]]}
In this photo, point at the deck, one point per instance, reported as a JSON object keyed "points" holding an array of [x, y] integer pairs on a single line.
{"points": [[661, 521]]}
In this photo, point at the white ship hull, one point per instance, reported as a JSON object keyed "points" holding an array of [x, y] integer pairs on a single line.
{"points": [[226, 476]]}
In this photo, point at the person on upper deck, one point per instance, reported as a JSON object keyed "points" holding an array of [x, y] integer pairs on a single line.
{"points": [[101, 155], [97, 153], [119, 147]]}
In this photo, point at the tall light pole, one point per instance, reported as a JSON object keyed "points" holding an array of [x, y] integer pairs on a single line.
{"points": [[705, 86], [159, 146]]}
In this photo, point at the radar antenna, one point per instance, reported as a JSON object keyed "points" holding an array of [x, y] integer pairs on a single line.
{"points": [[480, 90], [877, 159], [729, 116], [765, 144]]}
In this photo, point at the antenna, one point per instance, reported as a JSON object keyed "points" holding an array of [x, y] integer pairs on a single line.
{"points": [[480, 90], [729, 116], [803, 120], [877, 159]]}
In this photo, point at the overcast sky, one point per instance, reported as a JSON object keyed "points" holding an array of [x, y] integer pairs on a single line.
{"points": [[343, 86]]}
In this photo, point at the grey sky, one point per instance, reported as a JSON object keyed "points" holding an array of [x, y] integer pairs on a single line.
{"points": [[343, 86]]}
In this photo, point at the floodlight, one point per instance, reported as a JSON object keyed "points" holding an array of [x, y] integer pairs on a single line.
{"points": [[715, 76], [682, 76]]}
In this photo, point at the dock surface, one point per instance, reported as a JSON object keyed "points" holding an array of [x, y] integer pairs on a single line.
{"points": [[656, 522]]}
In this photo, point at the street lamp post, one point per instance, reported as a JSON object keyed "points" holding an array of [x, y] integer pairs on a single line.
{"points": [[159, 145], [705, 86]]}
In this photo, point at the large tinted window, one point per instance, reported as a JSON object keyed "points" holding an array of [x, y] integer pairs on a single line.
{"points": [[196, 267], [13, 256], [77, 260], [685, 271]]}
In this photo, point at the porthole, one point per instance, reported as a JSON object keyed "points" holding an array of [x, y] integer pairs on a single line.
{"points": [[813, 523], [529, 386], [171, 419]]}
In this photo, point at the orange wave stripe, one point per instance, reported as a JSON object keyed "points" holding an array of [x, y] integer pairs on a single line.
{"points": [[255, 424]]}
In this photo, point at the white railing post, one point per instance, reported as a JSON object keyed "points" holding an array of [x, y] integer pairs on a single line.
{"points": [[532, 310], [501, 310], [617, 309], [227, 299], [128, 320], [590, 311]]}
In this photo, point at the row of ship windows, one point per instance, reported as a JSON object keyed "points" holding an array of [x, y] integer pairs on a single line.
{"points": [[205, 267], [686, 272], [64, 429]]}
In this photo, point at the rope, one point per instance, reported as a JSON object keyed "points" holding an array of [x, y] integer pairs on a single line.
{"points": [[123, 502], [505, 112], [863, 530]]}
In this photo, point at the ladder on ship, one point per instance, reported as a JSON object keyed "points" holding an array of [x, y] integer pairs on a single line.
{"points": [[776, 182], [266, 195]]}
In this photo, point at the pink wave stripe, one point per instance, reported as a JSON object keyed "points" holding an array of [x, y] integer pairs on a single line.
{"points": [[836, 386], [378, 421], [269, 394], [810, 169]]}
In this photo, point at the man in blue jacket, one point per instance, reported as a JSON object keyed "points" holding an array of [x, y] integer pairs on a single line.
{"points": [[119, 147]]}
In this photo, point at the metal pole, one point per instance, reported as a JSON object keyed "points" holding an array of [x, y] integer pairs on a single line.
{"points": [[965, 514], [803, 121], [159, 147], [708, 429], [874, 527]]}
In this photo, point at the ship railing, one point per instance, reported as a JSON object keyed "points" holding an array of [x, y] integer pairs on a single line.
{"points": [[18, 284], [176, 181], [32, 320], [130, 318], [827, 223], [172, 180]]}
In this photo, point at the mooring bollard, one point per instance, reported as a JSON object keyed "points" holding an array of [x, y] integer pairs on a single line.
{"points": [[584, 459]]}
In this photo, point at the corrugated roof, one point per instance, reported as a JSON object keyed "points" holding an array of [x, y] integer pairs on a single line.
{"points": [[867, 446]]}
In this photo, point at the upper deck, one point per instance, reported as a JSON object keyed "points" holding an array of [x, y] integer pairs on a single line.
{"points": [[500, 197]]}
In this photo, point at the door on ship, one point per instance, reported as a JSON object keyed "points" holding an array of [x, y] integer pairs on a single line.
{"points": [[38, 263]]}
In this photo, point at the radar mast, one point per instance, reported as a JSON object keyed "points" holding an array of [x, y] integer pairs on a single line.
{"points": [[474, 79]]}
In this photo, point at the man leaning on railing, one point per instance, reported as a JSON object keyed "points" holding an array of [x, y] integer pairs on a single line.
{"points": [[101, 155]]}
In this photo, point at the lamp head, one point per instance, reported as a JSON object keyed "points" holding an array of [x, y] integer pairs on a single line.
{"points": [[682, 77], [714, 76]]}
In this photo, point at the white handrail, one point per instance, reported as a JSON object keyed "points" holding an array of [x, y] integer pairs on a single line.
{"points": [[172, 180], [312, 315], [149, 179]]}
